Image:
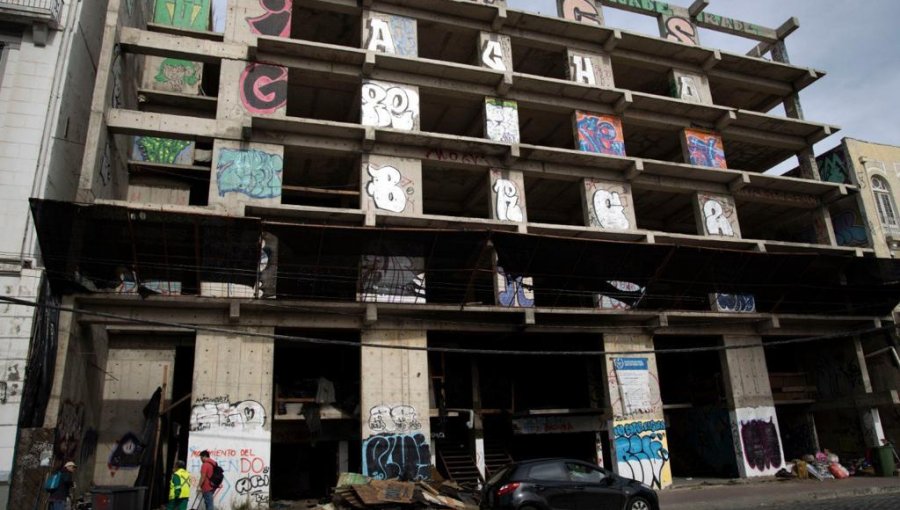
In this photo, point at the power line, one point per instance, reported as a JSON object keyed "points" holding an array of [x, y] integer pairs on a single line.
{"points": [[457, 350]]}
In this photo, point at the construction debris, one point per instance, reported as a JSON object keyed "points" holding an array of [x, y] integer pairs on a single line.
{"points": [[355, 491]]}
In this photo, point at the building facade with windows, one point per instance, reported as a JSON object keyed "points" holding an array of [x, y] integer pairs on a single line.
{"points": [[48, 52], [395, 236]]}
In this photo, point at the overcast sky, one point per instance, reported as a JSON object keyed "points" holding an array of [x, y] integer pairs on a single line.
{"points": [[856, 43]]}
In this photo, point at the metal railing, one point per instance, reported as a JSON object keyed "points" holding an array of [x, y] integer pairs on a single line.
{"points": [[39, 8]]}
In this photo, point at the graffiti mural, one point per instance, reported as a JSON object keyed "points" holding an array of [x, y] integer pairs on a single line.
{"points": [[163, 150], [404, 456], [629, 291], [680, 29], [388, 105], [599, 133], [759, 440], [705, 149], [591, 69], [506, 200], [263, 88], [582, 11], [502, 120], [849, 230], [389, 189], [607, 205], [740, 303], [177, 75], [642, 452], [253, 173], [245, 462], [217, 414], [126, 454], [496, 52], [514, 291], [687, 89], [398, 418], [191, 14], [275, 19], [391, 34], [833, 166], [392, 279], [68, 430], [719, 217]]}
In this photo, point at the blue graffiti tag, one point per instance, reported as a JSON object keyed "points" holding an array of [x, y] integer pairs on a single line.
{"points": [[736, 302], [403, 456], [599, 136], [254, 173], [514, 290], [705, 152], [640, 453], [848, 232]]}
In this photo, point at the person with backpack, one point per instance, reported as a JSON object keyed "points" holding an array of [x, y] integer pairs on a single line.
{"points": [[59, 484], [179, 488], [211, 477]]}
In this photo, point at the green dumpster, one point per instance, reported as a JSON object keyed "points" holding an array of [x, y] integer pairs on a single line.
{"points": [[883, 458]]}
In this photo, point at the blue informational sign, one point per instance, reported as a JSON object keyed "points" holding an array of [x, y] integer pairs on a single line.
{"points": [[631, 363]]}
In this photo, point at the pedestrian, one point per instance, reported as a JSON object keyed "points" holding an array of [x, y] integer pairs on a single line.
{"points": [[179, 488], [60, 495], [208, 483]]}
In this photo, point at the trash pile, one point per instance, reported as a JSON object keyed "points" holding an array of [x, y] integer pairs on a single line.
{"points": [[825, 465], [355, 492]]}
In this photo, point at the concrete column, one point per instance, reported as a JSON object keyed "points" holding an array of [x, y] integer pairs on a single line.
{"points": [[391, 185], [501, 118], [232, 413], [389, 105], [690, 87], [757, 439], [507, 192], [608, 205], [675, 25], [637, 428], [792, 106], [716, 215], [394, 405], [495, 51], [591, 68], [251, 89], [389, 33], [873, 432]]}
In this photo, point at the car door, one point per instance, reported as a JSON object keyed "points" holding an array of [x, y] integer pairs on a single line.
{"points": [[551, 483], [594, 488]]}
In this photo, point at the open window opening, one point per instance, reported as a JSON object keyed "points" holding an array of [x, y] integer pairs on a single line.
{"points": [[320, 179], [461, 116], [781, 222], [438, 41], [549, 62], [794, 391], [455, 192], [315, 426], [330, 27], [554, 201], [698, 424], [323, 97], [549, 128], [664, 211], [649, 79], [636, 23], [650, 142]]}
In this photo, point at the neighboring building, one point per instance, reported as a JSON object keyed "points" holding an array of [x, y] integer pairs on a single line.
{"points": [[48, 51], [304, 226]]}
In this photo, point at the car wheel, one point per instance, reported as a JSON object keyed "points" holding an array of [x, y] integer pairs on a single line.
{"points": [[638, 504]]}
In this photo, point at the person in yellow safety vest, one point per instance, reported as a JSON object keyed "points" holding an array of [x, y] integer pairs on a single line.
{"points": [[179, 488]]}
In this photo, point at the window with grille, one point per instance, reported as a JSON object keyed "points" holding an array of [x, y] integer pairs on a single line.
{"points": [[887, 211]]}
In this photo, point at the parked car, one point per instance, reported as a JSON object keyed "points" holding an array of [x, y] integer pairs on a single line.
{"points": [[564, 484]]}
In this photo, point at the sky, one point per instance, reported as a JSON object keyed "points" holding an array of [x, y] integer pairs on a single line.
{"points": [[856, 43]]}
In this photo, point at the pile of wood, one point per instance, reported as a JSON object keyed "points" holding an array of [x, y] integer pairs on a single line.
{"points": [[357, 492]]}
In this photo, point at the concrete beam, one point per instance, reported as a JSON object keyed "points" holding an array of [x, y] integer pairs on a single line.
{"points": [[144, 42]]}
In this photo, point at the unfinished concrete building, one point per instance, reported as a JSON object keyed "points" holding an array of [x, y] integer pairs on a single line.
{"points": [[392, 236]]}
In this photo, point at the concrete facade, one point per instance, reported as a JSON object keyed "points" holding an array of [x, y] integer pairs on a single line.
{"points": [[437, 234]]}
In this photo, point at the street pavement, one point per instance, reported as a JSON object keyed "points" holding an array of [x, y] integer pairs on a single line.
{"points": [[854, 493]]}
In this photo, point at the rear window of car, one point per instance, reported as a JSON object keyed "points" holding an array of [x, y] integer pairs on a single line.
{"points": [[551, 472]]}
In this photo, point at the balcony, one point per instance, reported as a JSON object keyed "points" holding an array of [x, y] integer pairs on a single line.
{"points": [[41, 14]]}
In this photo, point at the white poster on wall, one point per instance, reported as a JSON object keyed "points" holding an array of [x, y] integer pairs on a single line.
{"points": [[633, 378]]}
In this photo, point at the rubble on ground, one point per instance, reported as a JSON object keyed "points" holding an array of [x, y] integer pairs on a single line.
{"points": [[357, 492]]}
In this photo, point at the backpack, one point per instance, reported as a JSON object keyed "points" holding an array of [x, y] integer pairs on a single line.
{"points": [[52, 482], [218, 475]]}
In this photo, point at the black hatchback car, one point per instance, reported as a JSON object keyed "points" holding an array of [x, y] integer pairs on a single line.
{"points": [[564, 484]]}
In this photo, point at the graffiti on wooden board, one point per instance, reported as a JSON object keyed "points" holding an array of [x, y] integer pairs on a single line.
{"points": [[275, 18], [254, 173], [599, 133], [263, 88]]}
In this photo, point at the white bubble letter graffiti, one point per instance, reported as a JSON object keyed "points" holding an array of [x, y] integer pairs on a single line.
{"points": [[384, 189], [583, 70], [389, 106], [492, 55], [380, 38], [507, 200], [716, 222], [609, 210]]}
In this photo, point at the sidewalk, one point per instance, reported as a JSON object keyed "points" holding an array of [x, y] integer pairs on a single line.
{"points": [[700, 495]]}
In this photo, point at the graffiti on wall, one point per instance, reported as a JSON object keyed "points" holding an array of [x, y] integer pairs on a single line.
{"points": [[607, 203], [502, 120], [582, 11], [275, 19], [718, 215], [388, 105], [126, 454], [642, 452], [11, 382], [178, 75], [389, 189], [687, 89], [68, 430], [245, 463], [263, 88], [629, 291], [496, 52], [514, 291], [740, 303], [599, 133], [849, 230], [591, 69], [219, 413], [705, 149], [760, 441], [833, 166], [680, 29], [254, 173], [508, 199], [397, 418], [163, 150], [191, 14], [392, 279], [403, 456], [392, 34]]}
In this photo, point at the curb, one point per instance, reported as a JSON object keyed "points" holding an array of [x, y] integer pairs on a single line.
{"points": [[798, 497]]}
